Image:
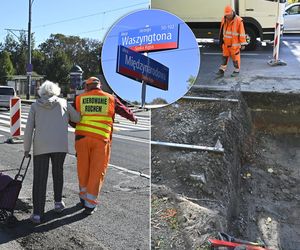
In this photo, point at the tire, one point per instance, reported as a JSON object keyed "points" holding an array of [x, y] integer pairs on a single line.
{"points": [[251, 39]]}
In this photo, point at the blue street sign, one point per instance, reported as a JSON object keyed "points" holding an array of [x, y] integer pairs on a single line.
{"points": [[151, 38], [29, 68], [142, 68]]}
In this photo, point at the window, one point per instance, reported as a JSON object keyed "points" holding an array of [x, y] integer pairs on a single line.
{"points": [[294, 10], [7, 91]]}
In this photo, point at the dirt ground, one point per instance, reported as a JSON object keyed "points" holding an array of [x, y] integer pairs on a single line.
{"points": [[251, 191]]}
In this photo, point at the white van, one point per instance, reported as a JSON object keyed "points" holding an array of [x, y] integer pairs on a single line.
{"points": [[6, 93], [204, 17]]}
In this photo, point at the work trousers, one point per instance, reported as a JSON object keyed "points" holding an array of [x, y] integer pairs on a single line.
{"points": [[92, 161], [234, 53], [40, 177]]}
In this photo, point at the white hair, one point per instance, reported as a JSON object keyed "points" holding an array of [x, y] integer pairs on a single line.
{"points": [[49, 89]]}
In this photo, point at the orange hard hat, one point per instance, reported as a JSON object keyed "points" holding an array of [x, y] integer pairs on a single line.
{"points": [[228, 10], [92, 80]]}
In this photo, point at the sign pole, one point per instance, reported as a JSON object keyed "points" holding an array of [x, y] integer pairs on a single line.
{"points": [[143, 94], [144, 89]]}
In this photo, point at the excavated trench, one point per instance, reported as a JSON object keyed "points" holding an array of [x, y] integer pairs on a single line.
{"points": [[251, 191]]}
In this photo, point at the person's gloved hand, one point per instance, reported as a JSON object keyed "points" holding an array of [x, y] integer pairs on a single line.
{"points": [[243, 47], [26, 154]]}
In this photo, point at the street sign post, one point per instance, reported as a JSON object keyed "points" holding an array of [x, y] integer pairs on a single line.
{"points": [[142, 68], [161, 37]]}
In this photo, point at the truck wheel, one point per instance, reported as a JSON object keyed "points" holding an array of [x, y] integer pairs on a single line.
{"points": [[251, 39]]}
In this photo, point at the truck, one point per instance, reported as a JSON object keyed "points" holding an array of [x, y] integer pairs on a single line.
{"points": [[204, 16]]}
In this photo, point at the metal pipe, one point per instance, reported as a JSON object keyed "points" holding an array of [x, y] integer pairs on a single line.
{"points": [[200, 98], [188, 146]]}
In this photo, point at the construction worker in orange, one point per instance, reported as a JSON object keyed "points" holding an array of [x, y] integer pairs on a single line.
{"points": [[232, 39], [93, 136]]}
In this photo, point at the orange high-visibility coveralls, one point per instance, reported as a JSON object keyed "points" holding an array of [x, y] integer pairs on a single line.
{"points": [[97, 110], [232, 37]]}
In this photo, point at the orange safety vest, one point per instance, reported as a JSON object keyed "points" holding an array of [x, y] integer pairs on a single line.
{"points": [[97, 109], [233, 32]]}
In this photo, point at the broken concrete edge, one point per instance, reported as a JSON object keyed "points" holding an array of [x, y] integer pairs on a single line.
{"points": [[227, 88], [188, 146]]}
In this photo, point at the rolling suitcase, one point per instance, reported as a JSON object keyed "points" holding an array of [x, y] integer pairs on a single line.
{"points": [[9, 192]]}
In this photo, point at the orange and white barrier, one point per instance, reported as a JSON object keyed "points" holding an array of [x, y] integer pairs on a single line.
{"points": [[15, 116], [280, 21]]}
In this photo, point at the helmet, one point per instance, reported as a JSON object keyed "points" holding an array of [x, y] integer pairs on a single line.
{"points": [[228, 10], [92, 80]]}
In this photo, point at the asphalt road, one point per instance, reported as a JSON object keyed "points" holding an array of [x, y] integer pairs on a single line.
{"points": [[253, 63], [123, 216]]}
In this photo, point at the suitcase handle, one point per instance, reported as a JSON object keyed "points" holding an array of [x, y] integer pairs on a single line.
{"points": [[19, 175]]}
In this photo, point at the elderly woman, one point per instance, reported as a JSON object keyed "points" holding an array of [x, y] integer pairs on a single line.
{"points": [[48, 125]]}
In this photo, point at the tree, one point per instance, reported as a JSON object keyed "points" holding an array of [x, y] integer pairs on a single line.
{"points": [[58, 68], [84, 52], [18, 50], [6, 66], [159, 100], [191, 81]]}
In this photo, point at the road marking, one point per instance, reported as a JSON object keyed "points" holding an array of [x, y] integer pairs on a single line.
{"points": [[219, 53], [129, 138], [130, 171], [121, 124], [124, 169], [8, 118], [294, 48], [5, 129]]}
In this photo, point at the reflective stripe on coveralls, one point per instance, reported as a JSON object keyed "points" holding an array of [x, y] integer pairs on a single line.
{"points": [[97, 110]]}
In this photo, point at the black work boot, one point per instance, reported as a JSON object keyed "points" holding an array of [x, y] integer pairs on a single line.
{"points": [[235, 73], [90, 211], [220, 73]]}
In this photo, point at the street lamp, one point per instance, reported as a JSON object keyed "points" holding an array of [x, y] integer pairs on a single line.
{"points": [[29, 65]]}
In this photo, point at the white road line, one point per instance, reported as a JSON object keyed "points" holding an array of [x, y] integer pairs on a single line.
{"points": [[122, 125], [129, 138], [145, 124], [8, 123], [130, 171], [124, 169], [8, 118], [218, 53]]}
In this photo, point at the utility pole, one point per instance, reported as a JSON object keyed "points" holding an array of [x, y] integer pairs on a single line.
{"points": [[29, 65]]}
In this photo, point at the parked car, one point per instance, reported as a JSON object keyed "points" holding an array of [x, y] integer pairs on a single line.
{"points": [[6, 93], [292, 18]]}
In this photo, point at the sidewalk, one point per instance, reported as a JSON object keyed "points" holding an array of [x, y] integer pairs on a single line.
{"points": [[121, 221]]}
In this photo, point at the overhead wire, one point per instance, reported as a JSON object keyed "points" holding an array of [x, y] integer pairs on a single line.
{"points": [[87, 16]]}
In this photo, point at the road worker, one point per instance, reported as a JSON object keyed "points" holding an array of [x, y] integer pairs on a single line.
{"points": [[233, 39], [93, 135]]}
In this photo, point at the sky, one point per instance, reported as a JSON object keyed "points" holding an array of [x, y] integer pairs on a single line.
{"points": [[93, 19], [87, 19], [182, 62]]}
